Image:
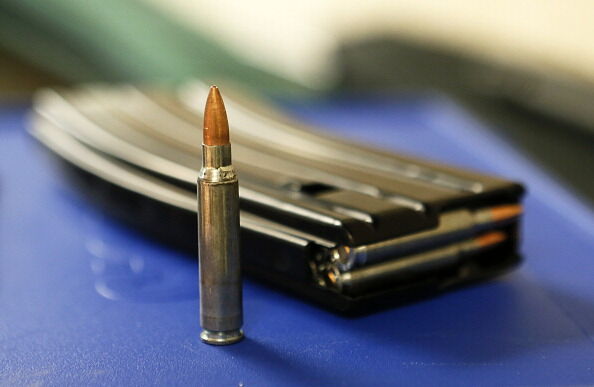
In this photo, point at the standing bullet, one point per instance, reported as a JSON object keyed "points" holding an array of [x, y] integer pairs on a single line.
{"points": [[221, 311]]}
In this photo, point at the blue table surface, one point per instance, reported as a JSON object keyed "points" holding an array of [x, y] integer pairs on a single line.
{"points": [[84, 300]]}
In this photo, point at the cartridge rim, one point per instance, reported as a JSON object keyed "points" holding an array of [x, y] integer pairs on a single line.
{"points": [[221, 338]]}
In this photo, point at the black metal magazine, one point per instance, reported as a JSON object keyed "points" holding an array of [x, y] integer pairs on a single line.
{"points": [[345, 225]]}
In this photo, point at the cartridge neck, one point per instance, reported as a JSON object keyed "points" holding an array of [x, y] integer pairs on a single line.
{"points": [[216, 156], [216, 164]]}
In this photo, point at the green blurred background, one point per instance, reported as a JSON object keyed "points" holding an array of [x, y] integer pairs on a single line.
{"points": [[527, 68]]}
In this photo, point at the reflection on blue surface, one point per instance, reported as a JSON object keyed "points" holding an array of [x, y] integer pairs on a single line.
{"points": [[84, 300], [123, 273]]}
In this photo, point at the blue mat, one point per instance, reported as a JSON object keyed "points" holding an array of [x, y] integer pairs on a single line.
{"points": [[84, 300]]}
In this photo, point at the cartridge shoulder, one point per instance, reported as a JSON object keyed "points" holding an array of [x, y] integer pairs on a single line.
{"points": [[220, 175]]}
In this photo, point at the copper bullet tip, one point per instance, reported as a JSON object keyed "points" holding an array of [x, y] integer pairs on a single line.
{"points": [[216, 126], [506, 212], [332, 277], [490, 239]]}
